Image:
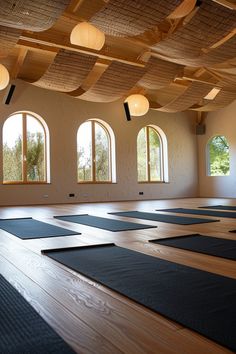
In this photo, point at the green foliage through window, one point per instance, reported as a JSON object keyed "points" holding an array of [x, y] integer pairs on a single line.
{"points": [[149, 155], [142, 156], [218, 156], [93, 153], [23, 149]]}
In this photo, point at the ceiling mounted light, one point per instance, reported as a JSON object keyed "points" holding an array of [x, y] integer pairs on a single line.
{"points": [[86, 35], [138, 104], [4, 77]]}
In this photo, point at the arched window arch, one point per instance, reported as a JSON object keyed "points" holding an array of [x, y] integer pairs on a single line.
{"points": [[152, 156], [25, 149], [218, 163], [95, 152]]}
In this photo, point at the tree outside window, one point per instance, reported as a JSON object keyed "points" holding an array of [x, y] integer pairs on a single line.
{"points": [[93, 153], [149, 155], [24, 149], [218, 156]]}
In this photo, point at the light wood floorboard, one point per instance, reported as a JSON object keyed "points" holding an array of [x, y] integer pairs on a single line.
{"points": [[89, 316]]}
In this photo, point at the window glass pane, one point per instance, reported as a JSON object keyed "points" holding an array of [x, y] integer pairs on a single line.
{"points": [[101, 154], [12, 149], [35, 154], [84, 152], [155, 155], [142, 155], [218, 150]]}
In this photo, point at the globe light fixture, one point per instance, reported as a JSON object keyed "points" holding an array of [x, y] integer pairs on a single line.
{"points": [[4, 77], [86, 35], [138, 105]]}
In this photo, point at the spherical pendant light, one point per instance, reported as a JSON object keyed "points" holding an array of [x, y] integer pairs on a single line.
{"points": [[4, 77], [86, 35], [138, 104]]}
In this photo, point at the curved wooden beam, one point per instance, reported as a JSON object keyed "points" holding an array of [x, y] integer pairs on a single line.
{"points": [[185, 44], [230, 4], [58, 41], [223, 99], [94, 75], [183, 9], [116, 81]]}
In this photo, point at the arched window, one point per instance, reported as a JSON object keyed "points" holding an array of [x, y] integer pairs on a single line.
{"points": [[152, 155], [218, 156], [94, 155], [24, 149]]}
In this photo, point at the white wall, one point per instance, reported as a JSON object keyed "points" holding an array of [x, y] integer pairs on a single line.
{"points": [[222, 122], [64, 114]]}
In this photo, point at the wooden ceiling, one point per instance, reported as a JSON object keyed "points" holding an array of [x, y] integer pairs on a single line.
{"points": [[172, 51]]}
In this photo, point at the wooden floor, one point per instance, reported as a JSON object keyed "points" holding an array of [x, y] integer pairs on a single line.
{"points": [[90, 317]]}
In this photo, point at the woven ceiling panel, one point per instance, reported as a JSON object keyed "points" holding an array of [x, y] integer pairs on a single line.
{"points": [[67, 72], [223, 99], [220, 54], [132, 17], [207, 26], [217, 55], [195, 92], [226, 76], [8, 39], [116, 81], [159, 73], [31, 15]]}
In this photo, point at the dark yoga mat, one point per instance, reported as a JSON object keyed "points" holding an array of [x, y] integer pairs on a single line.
{"points": [[219, 214], [171, 219], [27, 228], [212, 246], [201, 301], [22, 329], [103, 223], [220, 207]]}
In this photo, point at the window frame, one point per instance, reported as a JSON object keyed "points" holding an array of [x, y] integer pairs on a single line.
{"points": [[24, 151], [148, 162], [93, 151]]}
